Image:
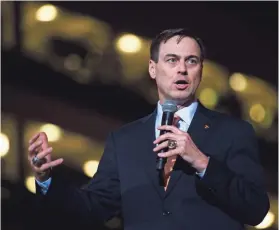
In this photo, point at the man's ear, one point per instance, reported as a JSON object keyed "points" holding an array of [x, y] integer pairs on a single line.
{"points": [[201, 70], [152, 69]]}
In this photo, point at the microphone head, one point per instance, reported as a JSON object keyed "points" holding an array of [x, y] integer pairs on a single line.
{"points": [[169, 106]]}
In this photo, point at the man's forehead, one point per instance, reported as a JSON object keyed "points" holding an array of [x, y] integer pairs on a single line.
{"points": [[175, 45]]}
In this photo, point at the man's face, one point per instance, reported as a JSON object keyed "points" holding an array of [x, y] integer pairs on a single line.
{"points": [[178, 71]]}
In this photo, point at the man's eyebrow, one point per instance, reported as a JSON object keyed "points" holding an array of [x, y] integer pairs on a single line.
{"points": [[177, 56], [172, 55], [192, 56]]}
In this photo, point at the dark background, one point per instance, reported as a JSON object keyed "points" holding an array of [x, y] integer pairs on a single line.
{"points": [[242, 36]]}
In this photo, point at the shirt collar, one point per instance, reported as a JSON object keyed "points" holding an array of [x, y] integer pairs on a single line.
{"points": [[186, 114]]}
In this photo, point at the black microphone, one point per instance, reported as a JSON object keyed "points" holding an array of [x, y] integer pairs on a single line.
{"points": [[169, 108]]}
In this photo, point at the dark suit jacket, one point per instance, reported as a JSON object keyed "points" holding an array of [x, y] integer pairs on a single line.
{"points": [[230, 195]]}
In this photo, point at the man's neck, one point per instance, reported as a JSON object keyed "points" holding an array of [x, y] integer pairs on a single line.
{"points": [[185, 103]]}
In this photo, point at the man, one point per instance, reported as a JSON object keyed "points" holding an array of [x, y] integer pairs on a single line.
{"points": [[213, 178]]}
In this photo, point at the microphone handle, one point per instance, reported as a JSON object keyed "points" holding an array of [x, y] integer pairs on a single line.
{"points": [[167, 119]]}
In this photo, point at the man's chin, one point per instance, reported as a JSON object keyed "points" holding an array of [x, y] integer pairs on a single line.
{"points": [[181, 96]]}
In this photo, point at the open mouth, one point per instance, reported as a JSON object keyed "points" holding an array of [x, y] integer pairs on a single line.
{"points": [[181, 84]]}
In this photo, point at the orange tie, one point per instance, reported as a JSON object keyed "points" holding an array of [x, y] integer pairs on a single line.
{"points": [[171, 160]]}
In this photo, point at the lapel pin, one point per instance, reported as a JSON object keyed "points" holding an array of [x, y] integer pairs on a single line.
{"points": [[206, 126]]}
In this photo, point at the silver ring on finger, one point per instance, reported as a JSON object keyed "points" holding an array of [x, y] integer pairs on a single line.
{"points": [[36, 161]]}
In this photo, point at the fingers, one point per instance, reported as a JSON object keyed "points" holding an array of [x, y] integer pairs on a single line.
{"points": [[39, 136], [41, 157], [165, 137], [170, 153], [34, 147], [171, 136], [51, 164], [163, 145], [34, 138], [171, 128], [38, 147], [46, 167], [44, 139], [43, 165], [44, 153]]}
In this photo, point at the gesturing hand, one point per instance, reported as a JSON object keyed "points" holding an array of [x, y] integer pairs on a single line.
{"points": [[39, 156]]}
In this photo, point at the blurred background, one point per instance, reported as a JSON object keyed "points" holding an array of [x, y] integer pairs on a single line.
{"points": [[78, 70]]}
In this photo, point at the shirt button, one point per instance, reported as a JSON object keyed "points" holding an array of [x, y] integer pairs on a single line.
{"points": [[166, 213]]}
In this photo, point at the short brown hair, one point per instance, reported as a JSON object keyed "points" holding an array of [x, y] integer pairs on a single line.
{"points": [[165, 35]]}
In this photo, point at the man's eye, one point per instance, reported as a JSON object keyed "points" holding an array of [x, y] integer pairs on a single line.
{"points": [[171, 60], [192, 61]]}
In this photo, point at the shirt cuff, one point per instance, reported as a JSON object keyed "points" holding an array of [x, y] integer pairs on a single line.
{"points": [[44, 185], [201, 174]]}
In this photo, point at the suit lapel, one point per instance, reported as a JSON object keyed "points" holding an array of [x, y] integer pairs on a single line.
{"points": [[198, 130], [148, 157]]}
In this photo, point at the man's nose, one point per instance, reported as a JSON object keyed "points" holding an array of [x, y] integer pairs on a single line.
{"points": [[182, 69]]}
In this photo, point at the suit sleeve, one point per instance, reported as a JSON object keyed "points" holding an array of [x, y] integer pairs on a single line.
{"points": [[90, 205], [237, 186]]}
